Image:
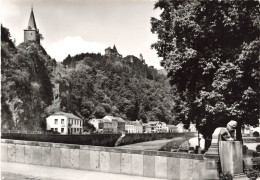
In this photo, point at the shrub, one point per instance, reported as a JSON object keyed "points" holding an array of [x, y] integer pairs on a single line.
{"points": [[252, 173], [226, 176], [255, 134], [258, 148]]}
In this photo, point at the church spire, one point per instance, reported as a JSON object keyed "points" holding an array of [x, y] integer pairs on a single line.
{"points": [[32, 23], [31, 33]]}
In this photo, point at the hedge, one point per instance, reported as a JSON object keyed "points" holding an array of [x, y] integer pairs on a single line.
{"points": [[108, 140]]}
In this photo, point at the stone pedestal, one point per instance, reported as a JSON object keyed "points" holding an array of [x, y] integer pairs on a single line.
{"points": [[231, 157]]}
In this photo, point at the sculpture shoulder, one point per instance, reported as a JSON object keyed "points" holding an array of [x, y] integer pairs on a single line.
{"points": [[223, 131]]}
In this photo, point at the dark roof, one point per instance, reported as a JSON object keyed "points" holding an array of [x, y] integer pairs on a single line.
{"points": [[137, 123], [114, 48], [129, 122], [32, 23], [110, 118], [100, 120], [68, 115], [153, 122]]}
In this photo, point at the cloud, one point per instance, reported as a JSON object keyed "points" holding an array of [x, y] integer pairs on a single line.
{"points": [[8, 8], [74, 45]]}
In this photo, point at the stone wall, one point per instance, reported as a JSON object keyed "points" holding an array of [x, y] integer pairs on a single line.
{"points": [[31, 35], [166, 165], [93, 139]]}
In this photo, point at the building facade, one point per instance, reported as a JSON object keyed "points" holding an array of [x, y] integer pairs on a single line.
{"points": [[157, 126], [133, 127], [118, 124], [147, 128], [138, 127], [180, 128], [31, 33], [64, 123], [171, 128], [112, 52], [192, 128], [102, 125], [129, 127], [97, 123]]}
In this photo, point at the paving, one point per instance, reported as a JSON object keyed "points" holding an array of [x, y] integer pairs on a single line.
{"points": [[16, 171]]}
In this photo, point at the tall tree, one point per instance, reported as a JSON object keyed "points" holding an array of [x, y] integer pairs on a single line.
{"points": [[210, 50]]}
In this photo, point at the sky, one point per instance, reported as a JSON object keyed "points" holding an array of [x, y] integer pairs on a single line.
{"points": [[80, 26]]}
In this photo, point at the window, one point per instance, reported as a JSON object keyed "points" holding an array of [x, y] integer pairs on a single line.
{"points": [[62, 121], [62, 130], [56, 121], [52, 129], [56, 129]]}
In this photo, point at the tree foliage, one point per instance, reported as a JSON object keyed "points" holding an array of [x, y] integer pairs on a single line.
{"points": [[94, 86], [210, 50], [25, 83]]}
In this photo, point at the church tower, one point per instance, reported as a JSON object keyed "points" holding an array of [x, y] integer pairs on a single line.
{"points": [[32, 33]]}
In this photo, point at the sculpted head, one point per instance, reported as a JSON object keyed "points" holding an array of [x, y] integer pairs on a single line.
{"points": [[231, 126]]}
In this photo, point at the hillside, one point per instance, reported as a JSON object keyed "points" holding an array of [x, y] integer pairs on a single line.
{"points": [[88, 85], [26, 85], [92, 86]]}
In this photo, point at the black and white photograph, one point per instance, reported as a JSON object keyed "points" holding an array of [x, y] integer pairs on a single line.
{"points": [[130, 90]]}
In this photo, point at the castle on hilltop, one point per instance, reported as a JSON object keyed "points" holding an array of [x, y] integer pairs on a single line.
{"points": [[32, 33], [112, 52]]}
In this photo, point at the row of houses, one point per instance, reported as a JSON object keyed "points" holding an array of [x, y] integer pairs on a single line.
{"points": [[67, 123], [116, 124]]}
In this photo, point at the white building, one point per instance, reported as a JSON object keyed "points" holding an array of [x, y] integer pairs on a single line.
{"points": [[129, 127], [133, 127], [181, 128], [97, 123], [64, 123], [192, 128], [102, 125], [138, 127], [158, 126], [171, 128], [118, 124]]}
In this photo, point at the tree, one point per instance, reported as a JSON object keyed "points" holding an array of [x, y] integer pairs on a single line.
{"points": [[100, 112], [210, 50], [6, 36]]}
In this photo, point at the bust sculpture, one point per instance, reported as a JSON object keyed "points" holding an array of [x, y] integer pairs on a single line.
{"points": [[228, 133]]}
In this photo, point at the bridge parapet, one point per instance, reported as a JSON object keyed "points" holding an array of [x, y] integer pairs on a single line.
{"points": [[158, 164]]}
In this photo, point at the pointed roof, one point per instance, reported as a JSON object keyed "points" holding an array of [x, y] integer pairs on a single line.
{"points": [[32, 23], [114, 48]]}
